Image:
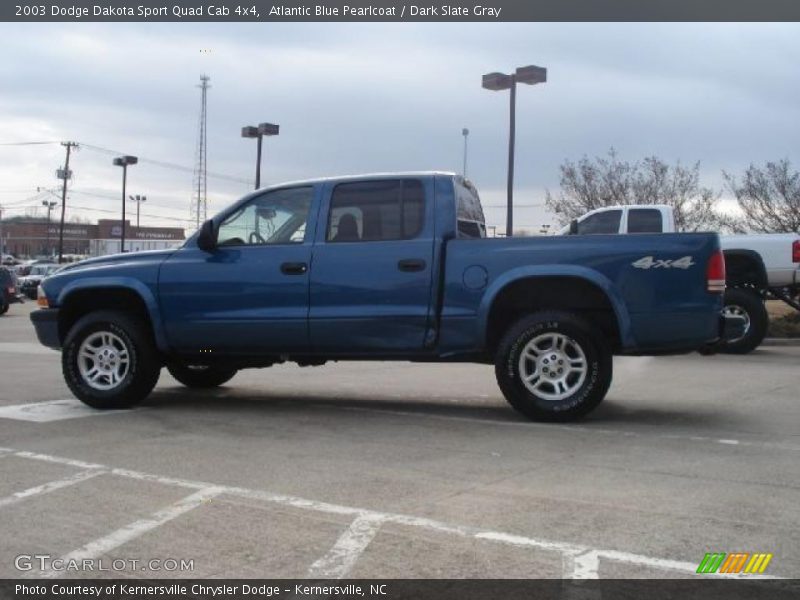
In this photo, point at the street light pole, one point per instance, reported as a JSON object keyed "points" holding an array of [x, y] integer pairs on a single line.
{"points": [[138, 199], [124, 161], [49, 205], [258, 161], [512, 134], [263, 130], [465, 133], [530, 75]]}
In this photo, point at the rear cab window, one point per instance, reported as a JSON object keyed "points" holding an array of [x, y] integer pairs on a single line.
{"points": [[645, 220], [471, 223]]}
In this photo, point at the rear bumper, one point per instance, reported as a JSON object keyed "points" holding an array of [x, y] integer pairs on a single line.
{"points": [[731, 327], [45, 321]]}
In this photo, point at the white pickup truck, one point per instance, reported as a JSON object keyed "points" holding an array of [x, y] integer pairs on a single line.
{"points": [[758, 266]]}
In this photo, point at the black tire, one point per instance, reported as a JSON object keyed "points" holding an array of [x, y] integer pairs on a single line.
{"points": [[4, 304], [143, 367], [201, 376], [750, 305], [589, 389]]}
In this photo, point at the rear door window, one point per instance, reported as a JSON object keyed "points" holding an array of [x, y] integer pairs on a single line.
{"points": [[371, 211]]}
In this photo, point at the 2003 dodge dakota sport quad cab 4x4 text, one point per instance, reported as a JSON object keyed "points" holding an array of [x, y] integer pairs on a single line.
{"points": [[382, 267]]}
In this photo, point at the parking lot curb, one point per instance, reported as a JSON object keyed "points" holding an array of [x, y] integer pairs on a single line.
{"points": [[781, 342]]}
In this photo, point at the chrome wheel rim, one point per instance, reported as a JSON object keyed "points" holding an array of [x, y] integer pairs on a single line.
{"points": [[738, 311], [553, 366], [103, 360]]}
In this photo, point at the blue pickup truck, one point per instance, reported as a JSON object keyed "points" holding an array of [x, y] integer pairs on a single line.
{"points": [[382, 267]]}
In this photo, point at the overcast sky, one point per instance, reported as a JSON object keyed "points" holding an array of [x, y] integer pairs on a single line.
{"points": [[353, 98]]}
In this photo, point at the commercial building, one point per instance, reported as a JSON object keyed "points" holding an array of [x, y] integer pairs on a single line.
{"points": [[26, 238]]}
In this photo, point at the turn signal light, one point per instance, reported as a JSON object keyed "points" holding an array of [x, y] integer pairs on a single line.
{"points": [[41, 299], [796, 251], [715, 273]]}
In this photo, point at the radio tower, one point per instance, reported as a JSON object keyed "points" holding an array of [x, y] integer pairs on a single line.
{"points": [[199, 207]]}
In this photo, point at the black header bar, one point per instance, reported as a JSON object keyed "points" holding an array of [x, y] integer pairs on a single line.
{"points": [[398, 11]]}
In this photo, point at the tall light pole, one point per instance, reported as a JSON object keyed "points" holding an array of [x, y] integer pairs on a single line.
{"points": [[49, 205], [465, 133], [124, 161], [138, 199], [530, 75], [263, 130]]}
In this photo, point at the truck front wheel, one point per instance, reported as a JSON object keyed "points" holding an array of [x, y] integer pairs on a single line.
{"points": [[200, 376], [553, 366], [748, 304], [109, 360]]}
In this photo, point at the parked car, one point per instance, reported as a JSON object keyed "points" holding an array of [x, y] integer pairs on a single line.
{"points": [[758, 266], [382, 267], [28, 284], [8, 289]]}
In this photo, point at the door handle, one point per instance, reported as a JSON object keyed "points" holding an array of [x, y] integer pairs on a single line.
{"points": [[294, 268], [409, 265]]}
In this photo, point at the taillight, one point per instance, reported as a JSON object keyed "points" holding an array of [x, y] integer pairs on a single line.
{"points": [[796, 251], [715, 273]]}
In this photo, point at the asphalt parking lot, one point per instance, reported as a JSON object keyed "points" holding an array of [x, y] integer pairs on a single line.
{"points": [[400, 470]]}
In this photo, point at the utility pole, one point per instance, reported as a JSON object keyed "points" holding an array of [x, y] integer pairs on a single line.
{"points": [[64, 174]]}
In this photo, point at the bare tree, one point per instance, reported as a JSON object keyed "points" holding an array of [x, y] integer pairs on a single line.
{"points": [[769, 197], [608, 181]]}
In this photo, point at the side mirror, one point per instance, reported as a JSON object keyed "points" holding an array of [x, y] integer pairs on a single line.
{"points": [[207, 240], [573, 227]]}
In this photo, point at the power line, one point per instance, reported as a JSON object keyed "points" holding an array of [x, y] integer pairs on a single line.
{"points": [[26, 143], [167, 165]]}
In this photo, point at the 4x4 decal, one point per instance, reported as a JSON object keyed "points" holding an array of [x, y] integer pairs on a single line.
{"points": [[648, 262]]}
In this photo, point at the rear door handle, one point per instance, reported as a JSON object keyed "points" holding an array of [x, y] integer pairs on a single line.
{"points": [[294, 268], [410, 265]]}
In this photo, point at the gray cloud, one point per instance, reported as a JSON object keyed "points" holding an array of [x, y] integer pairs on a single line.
{"points": [[376, 97]]}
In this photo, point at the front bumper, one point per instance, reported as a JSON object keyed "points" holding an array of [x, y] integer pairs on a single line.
{"points": [[45, 321]]}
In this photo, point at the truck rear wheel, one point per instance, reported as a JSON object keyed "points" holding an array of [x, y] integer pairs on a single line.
{"points": [[553, 366], [200, 376], [747, 304], [109, 360]]}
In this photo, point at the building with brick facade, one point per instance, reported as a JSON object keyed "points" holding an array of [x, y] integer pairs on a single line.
{"points": [[26, 238]]}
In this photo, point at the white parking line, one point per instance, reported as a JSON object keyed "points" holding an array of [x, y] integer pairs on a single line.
{"points": [[579, 561], [341, 558], [98, 547], [52, 410], [50, 486]]}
